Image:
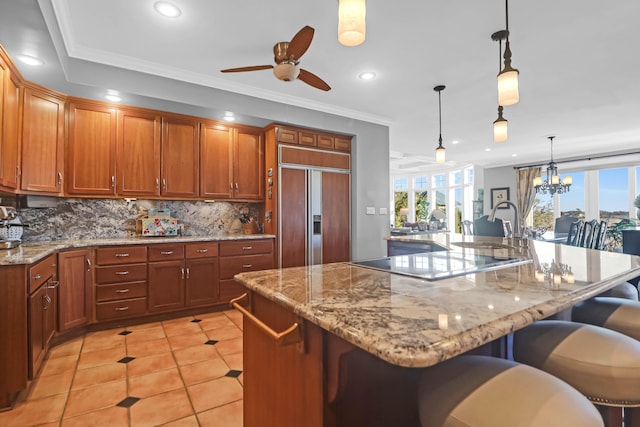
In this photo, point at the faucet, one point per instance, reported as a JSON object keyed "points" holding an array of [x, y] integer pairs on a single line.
{"points": [[516, 230]]}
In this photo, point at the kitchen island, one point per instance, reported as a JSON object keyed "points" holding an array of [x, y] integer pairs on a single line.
{"points": [[362, 334]]}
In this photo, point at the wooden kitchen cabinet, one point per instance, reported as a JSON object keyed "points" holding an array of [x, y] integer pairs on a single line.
{"points": [[232, 162], [10, 101], [180, 157], [41, 308], [242, 256], [202, 272], [74, 291], [138, 153], [91, 149], [42, 141]]}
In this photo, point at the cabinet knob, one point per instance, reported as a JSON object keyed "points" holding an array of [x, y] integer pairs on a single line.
{"points": [[37, 276]]}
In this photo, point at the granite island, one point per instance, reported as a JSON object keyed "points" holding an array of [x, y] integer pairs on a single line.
{"points": [[354, 336]]}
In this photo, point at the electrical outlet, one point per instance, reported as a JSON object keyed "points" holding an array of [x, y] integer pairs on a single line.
{"points": [[371, 211], [383, 211]]}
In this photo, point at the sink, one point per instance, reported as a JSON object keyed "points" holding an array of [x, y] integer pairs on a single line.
{"points": [[482, 245]]}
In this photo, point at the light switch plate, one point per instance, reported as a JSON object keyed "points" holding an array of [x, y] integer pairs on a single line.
{"points": [[383, 211], [371, 211]]}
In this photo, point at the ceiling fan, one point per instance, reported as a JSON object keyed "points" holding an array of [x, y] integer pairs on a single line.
{"points": [[287, 57]]}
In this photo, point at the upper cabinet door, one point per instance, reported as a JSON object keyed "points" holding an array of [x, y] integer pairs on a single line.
{"points": [[180, 157], [9, 128], [138, 153], [216, 161], [91, 150], [248, 165], [42, 142]]}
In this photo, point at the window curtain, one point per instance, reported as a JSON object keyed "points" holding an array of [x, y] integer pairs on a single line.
{"points": [[526, 193]]}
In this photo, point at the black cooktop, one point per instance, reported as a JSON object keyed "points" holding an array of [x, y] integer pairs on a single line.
{"points": [[440, 265]]}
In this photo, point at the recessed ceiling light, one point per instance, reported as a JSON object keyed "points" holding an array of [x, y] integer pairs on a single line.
{"points": [[167, 9], [113, 98], [367, 75], [487, 149], [455, 142], [30, 60], [514, 155]]}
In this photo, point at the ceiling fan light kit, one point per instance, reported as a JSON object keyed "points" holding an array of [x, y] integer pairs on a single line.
{"points": [[287, 56], [440, 151], [508, 93], [352, 26]]}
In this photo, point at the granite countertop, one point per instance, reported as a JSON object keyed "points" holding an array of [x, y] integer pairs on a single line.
{"points": [[416, 323], [30, 252]]}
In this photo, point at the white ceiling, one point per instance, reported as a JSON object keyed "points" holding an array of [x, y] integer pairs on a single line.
{"points": [[578, 65]]}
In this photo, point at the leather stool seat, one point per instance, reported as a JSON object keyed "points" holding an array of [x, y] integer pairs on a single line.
{"points": [[618, 314], [624, 290], [483, 391], [602, 364]]}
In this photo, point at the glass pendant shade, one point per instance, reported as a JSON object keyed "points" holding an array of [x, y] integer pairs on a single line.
{"points": [[351, 22], [568, 180], [537, 181], [508, 87], [440, 154], [500, 128]]}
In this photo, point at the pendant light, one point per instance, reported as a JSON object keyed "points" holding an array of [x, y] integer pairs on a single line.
{"points": [[351, 22], [552, 184], [500, 133], [508, 78], [440, 150]]}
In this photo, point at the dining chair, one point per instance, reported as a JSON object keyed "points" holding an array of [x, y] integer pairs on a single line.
{"points": [[575, 231], [563, 224], [598, 241], [467, 227], [586, 237], [483, 227]]}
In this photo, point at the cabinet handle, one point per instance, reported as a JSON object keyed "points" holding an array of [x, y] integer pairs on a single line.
{"points": [[113, 181], [121, 273], [122, 291], [37, 277], [292, 335], [122, 255], [158, 183], [18, 172], [46, 302], [54, 286], [188, 272], [88, 264], [231, 186], [54, 265], [164, 184], [122, 308], [247, 248], [182, 273], [247, 265], [166, 253], [202, 251], [237, 188], [59, 178]]}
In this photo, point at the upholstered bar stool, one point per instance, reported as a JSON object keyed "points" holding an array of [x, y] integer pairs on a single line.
{"points": [[619, 314], [483, 391], [602, 364]]}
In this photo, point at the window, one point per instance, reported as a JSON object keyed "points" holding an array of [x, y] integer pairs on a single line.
{"points": [[543, 211], [400, 200], [573, 202], [613, 185]]}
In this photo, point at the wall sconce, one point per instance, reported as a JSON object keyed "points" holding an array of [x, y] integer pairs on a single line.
{"points": [[352, 27]]}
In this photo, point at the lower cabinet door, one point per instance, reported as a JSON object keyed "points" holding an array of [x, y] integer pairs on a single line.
{"points": [[37, 349], [166, 285], [202, 281]]}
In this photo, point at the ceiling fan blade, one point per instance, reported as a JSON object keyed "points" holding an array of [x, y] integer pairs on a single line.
{"points": [[252, 68], [313, 80], [300, 42]]}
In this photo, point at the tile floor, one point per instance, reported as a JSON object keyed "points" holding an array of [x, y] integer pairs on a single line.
{"points": [[180, 372]]}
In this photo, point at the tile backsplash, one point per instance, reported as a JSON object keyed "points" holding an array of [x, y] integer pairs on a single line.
{"points": [[116, 218]]}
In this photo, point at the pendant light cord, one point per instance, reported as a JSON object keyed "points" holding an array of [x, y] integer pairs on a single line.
{"points": [[551, 140], [440, 117]]}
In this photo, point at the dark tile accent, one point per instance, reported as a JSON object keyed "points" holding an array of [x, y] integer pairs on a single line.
{"points": [[196, 321], [125, 333], [233, 373], [211, 342], [126, 359], [127, 402]]}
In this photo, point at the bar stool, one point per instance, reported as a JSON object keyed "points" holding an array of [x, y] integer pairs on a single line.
{"points": [[483, 391], [618, 314], [602, 364]]}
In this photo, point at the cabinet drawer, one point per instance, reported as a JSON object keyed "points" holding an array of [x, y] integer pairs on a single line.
{"points": [[246, 247], [231, 266], [40, 272], [343, 144], [121, 255], [201, 250], [121, 273], [166, 252], [287, 135], [121, 309], [325, 141], [307, 138], [118, 291], [230, 289]]}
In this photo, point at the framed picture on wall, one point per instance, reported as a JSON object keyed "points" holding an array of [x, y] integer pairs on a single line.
{"points": [[499, 195]]}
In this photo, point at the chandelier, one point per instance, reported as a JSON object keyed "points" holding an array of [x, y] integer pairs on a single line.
{"points": [[552, 184], [554, 273]]}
